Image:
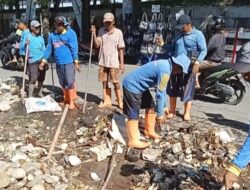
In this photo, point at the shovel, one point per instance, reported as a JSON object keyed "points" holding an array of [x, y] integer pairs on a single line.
{"points": [[23, 93], [86, 85]]}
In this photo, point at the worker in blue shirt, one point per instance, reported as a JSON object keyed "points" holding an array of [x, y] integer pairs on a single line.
{"points": [[65, 52], [192, 43], [241, 160], [23, 26], [136, 95], [35, 54]]}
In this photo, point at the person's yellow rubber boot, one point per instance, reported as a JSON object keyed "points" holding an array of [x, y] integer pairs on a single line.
{"points": [[149, 131], [65, 96], [133, 135], [71, 93], [106, 98], [119, 98]]}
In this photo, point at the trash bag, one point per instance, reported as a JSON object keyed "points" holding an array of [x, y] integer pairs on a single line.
{"points": [[46, 103], [188, 93]]}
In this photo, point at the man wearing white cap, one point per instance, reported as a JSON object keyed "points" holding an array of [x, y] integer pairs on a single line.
{"points": [[111, 58], [36, 50]]}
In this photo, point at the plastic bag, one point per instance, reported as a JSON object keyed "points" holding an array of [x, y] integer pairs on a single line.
{"points": [[46, 103]]}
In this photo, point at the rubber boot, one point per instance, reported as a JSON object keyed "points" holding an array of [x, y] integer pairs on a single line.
{"points": [[119, 98], [172, 111], [149, 131], [65, 96], [40, 89], [133, 135], [31, 90], [187, 109], [75, 92], [106, 98], [71, 93]]}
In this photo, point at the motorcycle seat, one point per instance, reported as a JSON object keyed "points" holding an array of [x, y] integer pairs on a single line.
{"points": [[217, 68]]}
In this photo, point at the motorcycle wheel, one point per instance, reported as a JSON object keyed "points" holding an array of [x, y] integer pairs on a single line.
{"points": [[239, 92], [4, 59]]}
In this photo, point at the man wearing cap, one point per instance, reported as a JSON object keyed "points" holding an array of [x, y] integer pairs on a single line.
{"points": [[68, 24], [111, 58], [35, 54], [65, 52], [192, 43], [137, 96]]}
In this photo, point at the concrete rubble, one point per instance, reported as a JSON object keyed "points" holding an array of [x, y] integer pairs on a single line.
{"points": [[191, 157], [188, 156], [8, 93]]}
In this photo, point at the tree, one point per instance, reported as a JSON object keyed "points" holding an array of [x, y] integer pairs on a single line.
{"points": [[85, 20]]}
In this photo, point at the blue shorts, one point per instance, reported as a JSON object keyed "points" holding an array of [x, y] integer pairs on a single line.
{"points": [[132, 103], [66, 75]]}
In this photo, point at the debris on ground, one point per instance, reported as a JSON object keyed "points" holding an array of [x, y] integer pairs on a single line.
{"points": [[8, 93], [189, 155]]}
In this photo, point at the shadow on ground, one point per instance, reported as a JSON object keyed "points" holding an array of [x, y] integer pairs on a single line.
{"points": [[50, 89], [221, 120], [205, 98]]}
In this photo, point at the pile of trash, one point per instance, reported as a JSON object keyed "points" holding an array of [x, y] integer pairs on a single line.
{"points": [[8, 93], [187, 158]]}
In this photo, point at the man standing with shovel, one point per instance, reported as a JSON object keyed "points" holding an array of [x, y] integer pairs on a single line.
{"points": [[111, 58], [35, 53]]}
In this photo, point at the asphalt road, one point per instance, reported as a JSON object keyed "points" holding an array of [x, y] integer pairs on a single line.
{"points": [[204, 107]]}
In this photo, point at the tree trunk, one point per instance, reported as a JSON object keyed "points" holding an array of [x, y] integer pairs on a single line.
{"points": [[113, 9], [137, 9], [17, 6], [85, 20]]}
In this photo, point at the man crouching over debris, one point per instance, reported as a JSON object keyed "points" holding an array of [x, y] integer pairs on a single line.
{"points": [[137, 96]]}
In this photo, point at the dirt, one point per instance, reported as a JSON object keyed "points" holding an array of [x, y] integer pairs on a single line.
{"points": [[124, 174]]}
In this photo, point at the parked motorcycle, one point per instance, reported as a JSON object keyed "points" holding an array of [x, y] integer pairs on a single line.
{"points": [[6, 57], [223, 82]]}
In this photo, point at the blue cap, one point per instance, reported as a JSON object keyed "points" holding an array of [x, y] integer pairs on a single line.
{"points": [[183, 61], [184, 19]]}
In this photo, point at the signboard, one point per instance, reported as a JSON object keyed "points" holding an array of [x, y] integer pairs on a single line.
{"points": [[156, 8], [127, 7]]}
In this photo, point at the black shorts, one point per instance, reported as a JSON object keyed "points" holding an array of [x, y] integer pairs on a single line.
{"points": [[132, 103], [35, 74]]}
